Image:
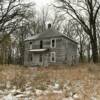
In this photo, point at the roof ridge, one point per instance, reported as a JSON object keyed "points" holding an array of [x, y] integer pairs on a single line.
{"points": [[52, 32]]}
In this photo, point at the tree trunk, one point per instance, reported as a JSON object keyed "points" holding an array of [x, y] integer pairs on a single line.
{"points": [[81, 54], [88, 53], [94, 50]]}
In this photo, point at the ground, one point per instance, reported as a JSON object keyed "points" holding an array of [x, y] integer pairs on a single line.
{"points": [[79, 82]]}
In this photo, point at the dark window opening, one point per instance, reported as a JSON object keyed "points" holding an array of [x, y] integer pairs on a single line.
{"points": [[53, 59], [49, 26], [30, 42], [53, 43], [30, 45], [41, 44]]}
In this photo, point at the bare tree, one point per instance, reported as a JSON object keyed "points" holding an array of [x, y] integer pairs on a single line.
{"points": [[57, 20], [21, 34], [75, 31], [39, 21], [98, 35], [85, 12], [12, 12]]}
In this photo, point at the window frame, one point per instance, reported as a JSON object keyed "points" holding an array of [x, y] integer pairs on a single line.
{"points": [[53, 54], [51, 44], [31, 45]]}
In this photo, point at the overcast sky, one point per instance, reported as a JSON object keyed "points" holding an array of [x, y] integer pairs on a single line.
{"points": [[41, 3]]}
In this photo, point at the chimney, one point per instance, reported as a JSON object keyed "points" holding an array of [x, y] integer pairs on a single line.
{"points": [[49, 26]]}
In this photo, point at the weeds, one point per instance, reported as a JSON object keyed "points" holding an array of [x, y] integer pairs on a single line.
{"points": [[39, 78]]}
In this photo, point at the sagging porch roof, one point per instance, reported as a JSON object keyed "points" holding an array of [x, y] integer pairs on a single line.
{"points": [[38, 50]]}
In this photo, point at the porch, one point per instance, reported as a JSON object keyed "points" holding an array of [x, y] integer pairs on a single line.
{"points": [[39, 57]]}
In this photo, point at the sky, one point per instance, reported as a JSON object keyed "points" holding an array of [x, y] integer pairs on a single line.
{"points": [[41, 3]]}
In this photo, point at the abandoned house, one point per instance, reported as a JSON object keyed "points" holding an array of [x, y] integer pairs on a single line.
{"points": [[50, 47]]}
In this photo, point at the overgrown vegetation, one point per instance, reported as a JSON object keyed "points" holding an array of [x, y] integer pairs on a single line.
{"points": [[40, 77]]}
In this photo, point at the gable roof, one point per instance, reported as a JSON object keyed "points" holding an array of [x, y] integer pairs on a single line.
{"points": [[49, 33]]}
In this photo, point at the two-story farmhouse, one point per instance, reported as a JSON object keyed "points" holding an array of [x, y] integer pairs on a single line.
{"points": [[50, 47]]}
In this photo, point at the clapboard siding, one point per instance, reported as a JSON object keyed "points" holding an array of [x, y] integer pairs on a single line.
{"points": [[59, 50], [70, 51], [66, 51]]}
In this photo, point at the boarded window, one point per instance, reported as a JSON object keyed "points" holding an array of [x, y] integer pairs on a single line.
{"points": [[53, 57]]}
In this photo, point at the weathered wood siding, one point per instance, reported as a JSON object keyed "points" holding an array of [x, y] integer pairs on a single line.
{"points": [[59, 50], [70, 51], [60, 53], [66, 51]]}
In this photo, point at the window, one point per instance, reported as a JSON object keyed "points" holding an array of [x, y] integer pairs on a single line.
{"points": [[41, 44], [30, 45], [53, 57], [53, 43]]}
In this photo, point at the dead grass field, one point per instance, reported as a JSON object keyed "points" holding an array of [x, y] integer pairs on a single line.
{"points": [[88, 74]]}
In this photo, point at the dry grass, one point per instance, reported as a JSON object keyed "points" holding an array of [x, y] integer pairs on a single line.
{"points": [[89, 74], [51, 97], [60, 73]]}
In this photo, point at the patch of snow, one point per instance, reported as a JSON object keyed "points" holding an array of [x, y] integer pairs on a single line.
{"points": [[57, 92], [69, 98], [38, 92], [56, 86], [8, 85], [76, 96], [9, 97], [46, 92]]}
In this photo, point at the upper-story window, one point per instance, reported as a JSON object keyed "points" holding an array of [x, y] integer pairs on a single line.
{"points": [[30, 45], [41, 44], [53, 43]]}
